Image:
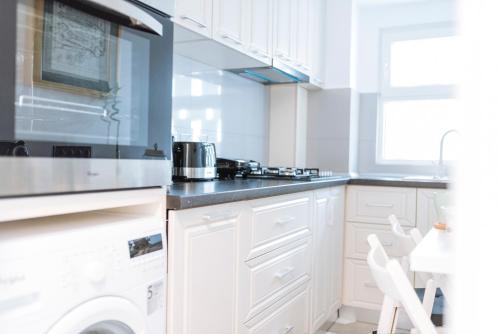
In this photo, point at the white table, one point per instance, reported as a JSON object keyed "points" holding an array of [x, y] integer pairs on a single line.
{"points": [[433, 254]]}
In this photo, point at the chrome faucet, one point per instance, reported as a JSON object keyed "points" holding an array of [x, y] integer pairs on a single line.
{"points": [[441, 149]]}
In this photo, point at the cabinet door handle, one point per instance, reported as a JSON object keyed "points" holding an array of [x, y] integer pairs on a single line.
{"points": [[210, 218], [232, 39], [370, 285], [258, 52], [284, 273], [380, 205], [288, 330], [187, 18], [285, 220], [387, 243]]}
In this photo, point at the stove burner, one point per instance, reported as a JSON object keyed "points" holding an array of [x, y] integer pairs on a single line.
{"points": [[289, 173]]}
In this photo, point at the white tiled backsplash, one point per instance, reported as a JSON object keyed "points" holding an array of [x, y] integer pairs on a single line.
{"points": [[220, 107]]}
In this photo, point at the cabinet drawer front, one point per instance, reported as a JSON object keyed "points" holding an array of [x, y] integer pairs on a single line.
{"points": [[375, 204], [290, 318], [279, 273], [360, 290], [279, 219], [356, 240]]}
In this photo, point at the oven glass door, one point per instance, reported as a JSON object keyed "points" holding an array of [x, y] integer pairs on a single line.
{"points": [[90, 85]]}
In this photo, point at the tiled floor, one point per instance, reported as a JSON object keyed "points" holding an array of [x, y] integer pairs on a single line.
{"points": [[356, 328]]}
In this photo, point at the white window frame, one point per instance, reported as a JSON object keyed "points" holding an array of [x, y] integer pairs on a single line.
{"points": [[389, 93]]}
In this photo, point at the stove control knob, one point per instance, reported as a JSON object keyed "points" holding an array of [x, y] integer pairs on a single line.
{"points": [[20, 149], [95, 272]]}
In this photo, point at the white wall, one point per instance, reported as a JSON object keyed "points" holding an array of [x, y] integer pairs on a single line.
{"points": [[372, 19], [220, 107]]}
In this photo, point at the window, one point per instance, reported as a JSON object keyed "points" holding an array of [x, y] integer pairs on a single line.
{"points": [[417, 106]]}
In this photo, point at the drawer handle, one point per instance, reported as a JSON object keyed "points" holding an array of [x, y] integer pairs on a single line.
{"points": [[284, 221], [284, 273], [370, 285], [232, 39], [219, 217], [187, 18], [288, 329], [380, 205]]}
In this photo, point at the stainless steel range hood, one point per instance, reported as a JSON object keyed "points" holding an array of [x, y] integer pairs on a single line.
{"points": [[217, 55], [277, 73]]}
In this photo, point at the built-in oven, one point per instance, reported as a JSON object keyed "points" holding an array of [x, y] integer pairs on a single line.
{"points": [[85, 96]]}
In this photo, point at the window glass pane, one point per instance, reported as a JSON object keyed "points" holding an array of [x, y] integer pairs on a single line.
{"points": [[412, 129], [429, 61]]}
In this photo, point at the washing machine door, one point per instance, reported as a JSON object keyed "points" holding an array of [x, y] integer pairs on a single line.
{"points": [[105, 315]]}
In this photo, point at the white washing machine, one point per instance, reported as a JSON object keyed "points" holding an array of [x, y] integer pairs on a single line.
{"points": [[92, 273]]}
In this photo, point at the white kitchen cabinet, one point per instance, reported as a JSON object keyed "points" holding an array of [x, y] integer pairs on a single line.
{"points": [[291, 37], [260, 29], [195, 15], [360, 290], [272, 277], [229, 23], [317, 40], [284, 33], [276, 221], [337, 249], [369, 204], [367, 209], [328, 256], [203, 269], [287, 316], [301, 23], [269, 265]]}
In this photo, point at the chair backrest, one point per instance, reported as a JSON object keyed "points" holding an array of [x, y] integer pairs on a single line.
{"points": [[393, 282], [377, 261], [407, 242]]}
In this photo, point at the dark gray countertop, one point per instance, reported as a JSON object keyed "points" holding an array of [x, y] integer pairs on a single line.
{"points": [[185, 195]]}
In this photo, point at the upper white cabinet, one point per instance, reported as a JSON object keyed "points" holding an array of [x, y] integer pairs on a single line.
{"points": [[286, 32], [291, 36], [301, 23], [196, 15], [260, 29], [229, 23], [317, 20], [165, 6], [283, 31]]}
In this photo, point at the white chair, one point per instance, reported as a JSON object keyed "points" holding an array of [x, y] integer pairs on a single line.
{"points": [[407, 243], [398, 292]]}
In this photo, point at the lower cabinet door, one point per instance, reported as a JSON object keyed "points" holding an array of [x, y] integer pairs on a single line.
{"points": [[289, 318], [203, 267], [360, 290], [328, 255]]}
